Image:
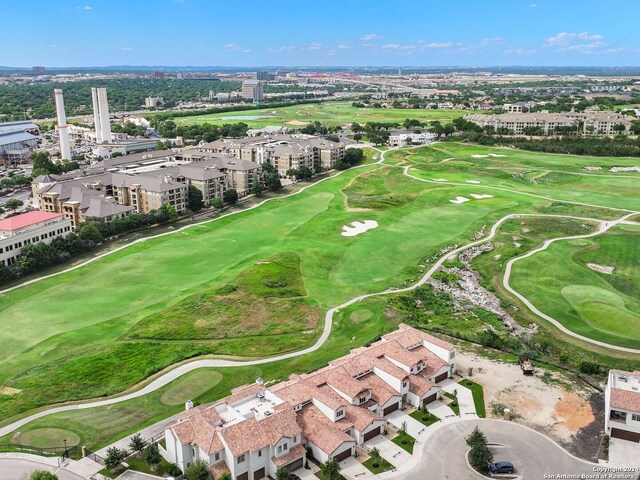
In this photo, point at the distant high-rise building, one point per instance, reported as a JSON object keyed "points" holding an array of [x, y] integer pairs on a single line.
{"points": [[37, 71], [264, 76], [157, 74], [252, 89], [101, 115], [400, 71], [151, 102], [63, 132]]}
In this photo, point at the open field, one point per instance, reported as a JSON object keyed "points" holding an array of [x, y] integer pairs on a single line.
{"points": [[103, 328], [328, 113], [600, 305]]}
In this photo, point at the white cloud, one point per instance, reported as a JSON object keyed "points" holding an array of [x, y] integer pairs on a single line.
{"points": [[342, 46], [236, 48], [283, 49], [436, 44], [315, 46], [520, 51], [564, 38], [533, 5], [87, 7], [371, 36]]}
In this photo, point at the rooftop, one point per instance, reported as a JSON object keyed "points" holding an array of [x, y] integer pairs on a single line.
{"points": [[24, 220]]}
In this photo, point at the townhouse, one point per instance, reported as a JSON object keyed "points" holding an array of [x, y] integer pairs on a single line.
{"points": [[330, 411], [622, 405]]}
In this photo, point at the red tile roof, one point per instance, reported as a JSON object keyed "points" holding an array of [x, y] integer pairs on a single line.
{"points": [[625, 399], [26, 220]]}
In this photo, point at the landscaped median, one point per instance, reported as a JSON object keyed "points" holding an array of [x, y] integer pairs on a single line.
{"points": [[424, 417], [405, 441], [376, 464]]}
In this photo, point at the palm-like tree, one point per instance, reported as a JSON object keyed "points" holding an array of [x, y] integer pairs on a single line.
{"points": [[331, 469]]}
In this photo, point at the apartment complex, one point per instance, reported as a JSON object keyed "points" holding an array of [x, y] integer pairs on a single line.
{"points": [[19, 231], [622, 405], [587, 123], [141, 183], [252, 90], [259, 429], [284, 152]]}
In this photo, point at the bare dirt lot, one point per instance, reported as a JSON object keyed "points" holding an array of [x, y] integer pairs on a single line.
{"points": [[546, 401]]}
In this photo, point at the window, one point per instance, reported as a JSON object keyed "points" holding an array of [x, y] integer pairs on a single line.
{"points": [[259, 453], [635, 417], [241, 458], [217, 457], [279, 448], [285, 447], [404, 384], [339, 413], [295, 439]]}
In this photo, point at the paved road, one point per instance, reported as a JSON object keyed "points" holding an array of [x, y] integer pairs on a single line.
{"points": [[196, 364], [533, 454], [20, 469]]}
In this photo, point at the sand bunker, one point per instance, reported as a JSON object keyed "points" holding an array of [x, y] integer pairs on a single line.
{"points": [[625, 169], [590, 169], [494, 155], [440, 180], [357, 228], [479, 196], [473, 181], [9, 391], [459, 200], [601, 268], [297, 123]]}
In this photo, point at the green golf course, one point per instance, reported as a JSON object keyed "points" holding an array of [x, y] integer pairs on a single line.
{"points": [[327, 113], [257, 283]]}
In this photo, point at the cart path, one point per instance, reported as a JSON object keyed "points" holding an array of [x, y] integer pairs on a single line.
{"points": [[177, 372]]}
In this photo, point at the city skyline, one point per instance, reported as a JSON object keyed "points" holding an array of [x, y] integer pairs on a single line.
{"points": [[357, 33]]}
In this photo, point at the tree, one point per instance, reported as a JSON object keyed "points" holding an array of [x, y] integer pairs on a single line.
{"points": [[194, 199], [272, 180], [476, 436], [357, 137], [198, 471], [619, 128], [90, 233], [216, 203], [167, 213], [331, 469], [137, 443], [6, 273], [283, 474], [479, 456], [304, 173], [256, 188], [13, 204], [356, 127], [230, 196], [42, 475], [174, 470], [36, 256], [114, 458], [224, 476], [151, 455]]}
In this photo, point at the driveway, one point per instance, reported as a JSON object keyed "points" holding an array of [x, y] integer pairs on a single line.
{"points": [[389, 450], [305, 474], [414, 427], [352, 469], [465, 398], [624, 453], [440, 410], [21, 468], [443, 452]]}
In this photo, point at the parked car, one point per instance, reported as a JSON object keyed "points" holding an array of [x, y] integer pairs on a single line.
{"points": [[501, 467]]}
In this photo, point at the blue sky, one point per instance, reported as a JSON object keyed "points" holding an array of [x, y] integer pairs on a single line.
{"points": [[324, 33]]}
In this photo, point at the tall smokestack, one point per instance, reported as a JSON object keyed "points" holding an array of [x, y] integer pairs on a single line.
{"points": [[63, 133], [96, 115], [101, 115]]}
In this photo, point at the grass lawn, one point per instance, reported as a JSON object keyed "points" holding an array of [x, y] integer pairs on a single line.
{"points": [[426, 419], [257, 283], [328, 113], [136, 463], [405, 441], [112, 474], [453, 405], [478, 396], [382, 465]]}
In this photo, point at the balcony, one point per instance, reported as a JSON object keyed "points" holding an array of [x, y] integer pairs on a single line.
{"points": [[616, 416]]}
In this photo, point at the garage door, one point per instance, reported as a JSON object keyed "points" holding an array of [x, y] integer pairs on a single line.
{"points": [[342, 455], [441, 377], [293, 466], [624, 435], [258, 474], [373, 433], [429, 399], [243, 476], [390, 409]]}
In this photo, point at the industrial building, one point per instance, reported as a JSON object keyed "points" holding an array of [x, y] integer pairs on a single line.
{"points": [[17, 140], [63, 133]]}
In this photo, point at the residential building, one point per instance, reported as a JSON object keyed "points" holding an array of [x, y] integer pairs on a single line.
{"points": [[402, 139], [252, 90], [20, 230], [153, 102], [17, 140], [257, 429], [589, 123], [622, 405], [36, 71], [269, 130]]}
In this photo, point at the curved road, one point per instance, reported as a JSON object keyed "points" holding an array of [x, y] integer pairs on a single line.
{"points": [[196, 364], [533, 454]]}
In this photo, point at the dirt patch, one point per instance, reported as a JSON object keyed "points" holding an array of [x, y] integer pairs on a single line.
{"points": [[547, 402], [297, 123], [9, 391]]}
